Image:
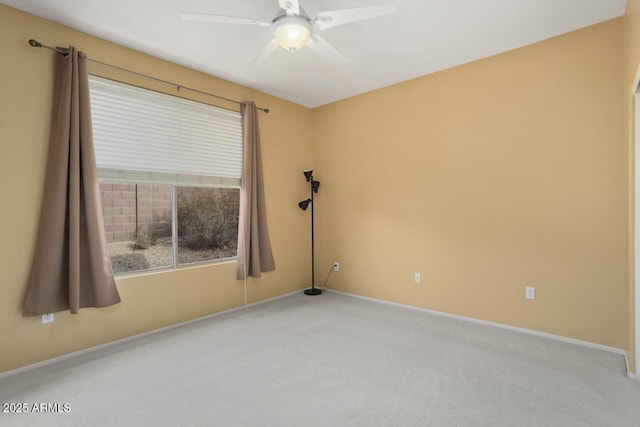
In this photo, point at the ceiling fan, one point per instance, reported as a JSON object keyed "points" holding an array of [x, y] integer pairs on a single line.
{"points": [[293, 29]]}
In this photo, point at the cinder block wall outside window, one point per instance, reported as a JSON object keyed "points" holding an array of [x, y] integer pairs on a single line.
{"points": [[129, 208]]}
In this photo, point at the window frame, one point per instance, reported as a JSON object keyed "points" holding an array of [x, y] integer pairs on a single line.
{"points": [[174, 184]]}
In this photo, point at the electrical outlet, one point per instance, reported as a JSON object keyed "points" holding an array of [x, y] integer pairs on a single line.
{"points": [[336, 266], [530, 292], [47, 318], [417, 277]]}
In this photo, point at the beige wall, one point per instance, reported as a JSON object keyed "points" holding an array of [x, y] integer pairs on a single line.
{"points": [[149, 301], [631, 57], [488, 177], [498, 174]]}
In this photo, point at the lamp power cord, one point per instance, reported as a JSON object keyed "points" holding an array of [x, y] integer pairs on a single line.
{"points": [[324, 284]]}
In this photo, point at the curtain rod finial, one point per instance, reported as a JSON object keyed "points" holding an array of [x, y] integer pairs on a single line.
{"points": [[35, 43]]}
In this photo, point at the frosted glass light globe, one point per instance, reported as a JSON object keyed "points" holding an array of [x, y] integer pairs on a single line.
{"points": [[292, 32]]}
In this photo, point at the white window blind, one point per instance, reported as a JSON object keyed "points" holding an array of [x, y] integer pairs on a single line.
{"points": [[145, 136]]}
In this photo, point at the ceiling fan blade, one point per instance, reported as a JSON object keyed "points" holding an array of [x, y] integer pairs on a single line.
{"points": [[334, 18], [264, 53], [324, 48], [292, 7], [222, 19]]}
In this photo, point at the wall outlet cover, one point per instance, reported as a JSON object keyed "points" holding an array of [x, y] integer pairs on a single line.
{"points": [[530, 292]]}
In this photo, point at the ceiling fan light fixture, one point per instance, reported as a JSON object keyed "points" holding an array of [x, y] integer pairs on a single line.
{"points": [[292, 32]]}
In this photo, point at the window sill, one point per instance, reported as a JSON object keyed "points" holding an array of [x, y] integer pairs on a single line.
{"points": [[162, 270]]}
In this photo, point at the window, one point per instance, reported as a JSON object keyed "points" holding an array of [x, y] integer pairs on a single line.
{"points": [[169, 172]]}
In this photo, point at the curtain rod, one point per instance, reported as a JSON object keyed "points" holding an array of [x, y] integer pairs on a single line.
{"points": [[35, 43]]}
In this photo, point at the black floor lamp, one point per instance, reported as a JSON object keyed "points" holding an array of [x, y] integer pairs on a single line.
{"points": [[308, 174]]}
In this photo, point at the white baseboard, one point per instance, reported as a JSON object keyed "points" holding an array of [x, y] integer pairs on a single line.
{"points": [[630, 374], [134, 337], [588, 344]]}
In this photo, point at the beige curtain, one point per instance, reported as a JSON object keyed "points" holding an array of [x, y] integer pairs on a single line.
{"points": [[71, 268], [254, 247]]}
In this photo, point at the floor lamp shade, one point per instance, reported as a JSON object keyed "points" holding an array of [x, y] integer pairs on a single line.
{"points": [[304, 204]]}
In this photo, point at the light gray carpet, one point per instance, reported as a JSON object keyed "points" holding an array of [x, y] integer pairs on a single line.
{"points": [[331, 360]]}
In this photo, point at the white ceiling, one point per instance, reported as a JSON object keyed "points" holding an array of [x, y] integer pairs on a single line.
{"points": [[424, 36]]}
